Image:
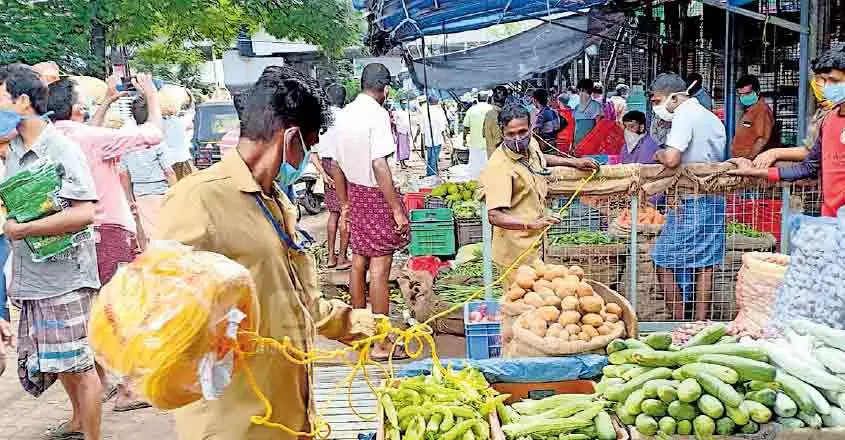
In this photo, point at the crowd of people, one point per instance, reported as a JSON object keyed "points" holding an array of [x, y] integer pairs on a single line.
{"points": [[123, 183]]}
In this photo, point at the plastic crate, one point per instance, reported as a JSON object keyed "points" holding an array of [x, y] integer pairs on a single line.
{"points": [[435, 203], [484, 339], [468, 231], [432, 238], [415, 200], [431, 215]]}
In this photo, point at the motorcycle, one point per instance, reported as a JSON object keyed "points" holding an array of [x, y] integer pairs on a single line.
{"points": [[310, 190]]}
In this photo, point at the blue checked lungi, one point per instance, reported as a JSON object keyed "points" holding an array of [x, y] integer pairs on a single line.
{"points": [[692, 238], [53, 338]]}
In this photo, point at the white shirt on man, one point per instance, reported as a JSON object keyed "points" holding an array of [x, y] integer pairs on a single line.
{"points": [[697, 133], [360, 135], [325, 148], [434, 132]]}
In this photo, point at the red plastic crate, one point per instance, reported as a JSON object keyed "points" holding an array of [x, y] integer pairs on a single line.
{"points": [[416, 200], [763, 215]]}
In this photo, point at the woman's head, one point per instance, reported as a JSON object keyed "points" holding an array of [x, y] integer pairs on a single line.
{"points": [[829, 70], [585, 87]]}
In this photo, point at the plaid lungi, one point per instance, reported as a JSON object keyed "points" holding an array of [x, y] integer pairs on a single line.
{"points": [[53, 338], [332, 204], [115, 246], [373, 232]]}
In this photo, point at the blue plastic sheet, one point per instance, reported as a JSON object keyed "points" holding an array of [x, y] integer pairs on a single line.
{"points": [[521, 370]]}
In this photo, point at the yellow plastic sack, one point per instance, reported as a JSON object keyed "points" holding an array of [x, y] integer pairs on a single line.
{"points": [[169, 321]]}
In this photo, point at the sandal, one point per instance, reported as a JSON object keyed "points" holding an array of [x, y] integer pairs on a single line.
{"points": [[109, 395], [131, 406], [344, 266], [60, 432], [399, 354]]}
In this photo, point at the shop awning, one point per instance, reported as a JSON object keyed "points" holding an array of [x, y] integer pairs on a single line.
{"points": [[406, 20], [518, 57]]}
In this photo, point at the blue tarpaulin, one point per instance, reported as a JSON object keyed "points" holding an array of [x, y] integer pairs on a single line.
{"points": [[522, 370], [405, 20]]}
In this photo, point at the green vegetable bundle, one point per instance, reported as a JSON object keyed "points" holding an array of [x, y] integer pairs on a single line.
{"points": [[564, 416], [583, 238], [446, 405], [743, 229]]}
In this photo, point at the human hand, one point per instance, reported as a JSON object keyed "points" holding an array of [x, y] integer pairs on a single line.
{"points": [[112, 94], [6, 336], [14, 230], [765, 159], [745, 168], [143, 82], [402, 224], [543, 222], [587, 164], [343, 222], [133, 208]]}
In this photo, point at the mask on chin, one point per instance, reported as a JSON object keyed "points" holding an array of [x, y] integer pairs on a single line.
{"points": [[288, 174]]}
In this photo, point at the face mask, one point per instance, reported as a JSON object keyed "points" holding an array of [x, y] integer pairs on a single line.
{"points": [[749, 99], [288, 174], [632, 139], [10, 120], [834, 93], [518, 145], [574, 100], [661, 112]]}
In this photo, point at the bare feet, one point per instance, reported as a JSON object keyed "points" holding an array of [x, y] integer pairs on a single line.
{"points": [[127, 400], [343, 263]]}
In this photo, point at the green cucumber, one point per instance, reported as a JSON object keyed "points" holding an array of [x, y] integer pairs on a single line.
{"points": [[616, 345], [604, 426], [646, 425], [634, 401], [767, 397], [739, 415], [667, 426], [718, 389], [711, 406], [693, 354], [618, 393], [703, 426], [748, 369], [684, 427], [667, 394], [651, 387], [725, 374], [750, 428], [682, 410], [689, 390], [653, 407], [707, 336], [659, 340], [725, 426]]}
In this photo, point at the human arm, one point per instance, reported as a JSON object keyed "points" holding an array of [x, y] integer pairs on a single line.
{"points": [[498, 217], [112, 95], [669, 157], [769, 157], [72, 219], [582, 163], [339, 179], [126, 184], [315, 160], [808, 168]]}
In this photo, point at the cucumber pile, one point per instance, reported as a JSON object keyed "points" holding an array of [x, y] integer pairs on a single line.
{"points": [[710, 386]]}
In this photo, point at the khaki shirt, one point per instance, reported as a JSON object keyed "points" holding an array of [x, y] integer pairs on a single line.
{"points": [[492, 131], [508, 184], [216, 210]]}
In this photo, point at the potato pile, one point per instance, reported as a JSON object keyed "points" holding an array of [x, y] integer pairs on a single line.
{"points": [[561, 305]]}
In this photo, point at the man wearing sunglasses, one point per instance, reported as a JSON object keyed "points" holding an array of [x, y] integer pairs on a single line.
{"points": [[515, 188]]}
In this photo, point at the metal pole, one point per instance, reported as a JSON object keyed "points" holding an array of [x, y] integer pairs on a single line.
{"points": [[730, 118], [785, 195], [803, 69], [427, 107], [632, 252], [487, 236]]}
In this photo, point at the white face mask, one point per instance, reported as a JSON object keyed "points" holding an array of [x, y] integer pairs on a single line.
{"points": [[661, 112], [632, 139]]}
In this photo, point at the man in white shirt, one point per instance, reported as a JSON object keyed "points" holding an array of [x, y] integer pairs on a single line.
{"points": [[322, 156], [379, 225], [693, 239], [474, 124], [434, 129]]}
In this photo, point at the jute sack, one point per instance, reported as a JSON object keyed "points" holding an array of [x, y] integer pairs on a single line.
{"points": [[524, 343], [757, 283]]}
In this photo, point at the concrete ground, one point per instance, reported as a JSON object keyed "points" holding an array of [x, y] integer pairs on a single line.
{"points": [[23, 417]]}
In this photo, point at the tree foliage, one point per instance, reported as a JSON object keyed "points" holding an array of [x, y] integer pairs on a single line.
{"points": [[61, 31]]}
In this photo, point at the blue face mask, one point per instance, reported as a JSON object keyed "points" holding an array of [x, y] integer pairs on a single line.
{"points": [[10, 120], [749, 99], [288, 174], [834, 93]]}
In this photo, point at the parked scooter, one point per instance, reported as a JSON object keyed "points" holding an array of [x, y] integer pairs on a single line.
{"points": [[310, 191]]}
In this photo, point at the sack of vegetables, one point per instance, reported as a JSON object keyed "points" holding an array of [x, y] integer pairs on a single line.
{"points": [[555, 311]]}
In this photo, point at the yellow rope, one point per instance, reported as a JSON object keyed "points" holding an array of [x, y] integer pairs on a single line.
{"points": [[421, 334]]}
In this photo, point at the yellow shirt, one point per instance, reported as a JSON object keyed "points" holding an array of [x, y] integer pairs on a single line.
{"points": [[492, 131], [216, 210], [508, 184]]}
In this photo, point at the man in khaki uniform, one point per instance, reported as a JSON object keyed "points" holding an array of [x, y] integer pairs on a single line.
{"points": [[492, 131], [515, 188], [235, 208]]}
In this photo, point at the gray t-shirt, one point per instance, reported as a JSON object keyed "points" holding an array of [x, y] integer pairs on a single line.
{"points": [[69, 271], [146, 170], [697, 133]]}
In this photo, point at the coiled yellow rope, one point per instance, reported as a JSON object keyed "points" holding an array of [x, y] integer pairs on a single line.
{"points": [[421, 334]]}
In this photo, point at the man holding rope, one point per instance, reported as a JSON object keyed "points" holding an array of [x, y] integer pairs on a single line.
{"points": [[514, 187]]}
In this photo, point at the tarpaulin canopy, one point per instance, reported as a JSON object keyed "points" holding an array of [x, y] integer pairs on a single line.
{"points": [[405, 20], [518, 57]]}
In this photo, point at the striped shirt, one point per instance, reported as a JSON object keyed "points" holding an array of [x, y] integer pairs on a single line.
{"points": [[146, 169]]}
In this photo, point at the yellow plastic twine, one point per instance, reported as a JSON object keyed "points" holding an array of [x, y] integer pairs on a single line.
{"points": [[421, 334]]}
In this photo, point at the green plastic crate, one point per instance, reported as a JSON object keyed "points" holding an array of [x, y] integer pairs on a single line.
{"points": [[433, 238], [431, 215]]}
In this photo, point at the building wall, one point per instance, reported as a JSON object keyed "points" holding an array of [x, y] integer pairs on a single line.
{"points": [[240, 71]]}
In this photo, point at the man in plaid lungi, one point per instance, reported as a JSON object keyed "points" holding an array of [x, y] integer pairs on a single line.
{"points": [[55, 294]]}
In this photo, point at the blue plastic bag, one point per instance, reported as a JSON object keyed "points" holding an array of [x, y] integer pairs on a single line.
{"points": [[521, 370]]}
